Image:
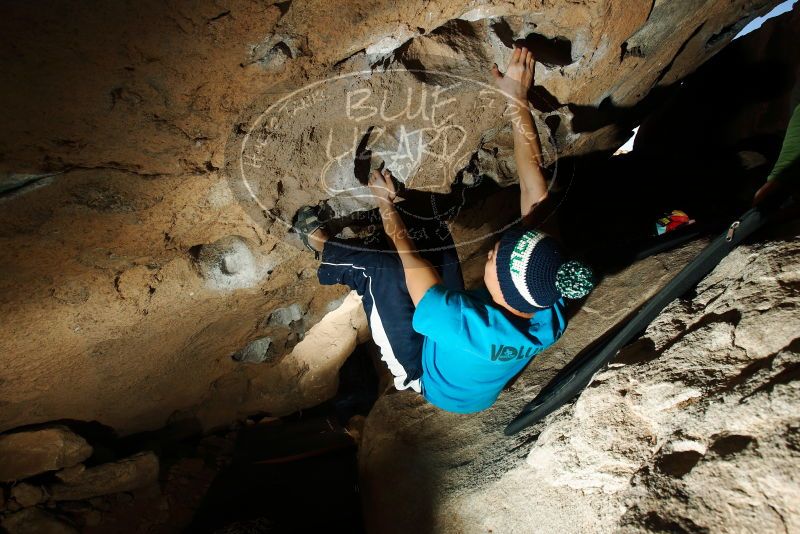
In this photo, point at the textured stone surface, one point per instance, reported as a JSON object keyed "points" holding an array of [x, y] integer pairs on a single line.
{"points": [[24, 454], [70, 474], [27, 494], [693, 428], [134, 472], [119, 153], [35, 521]]}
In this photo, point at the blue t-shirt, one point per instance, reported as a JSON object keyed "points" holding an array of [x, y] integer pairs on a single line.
{"points": [[473, 347]]}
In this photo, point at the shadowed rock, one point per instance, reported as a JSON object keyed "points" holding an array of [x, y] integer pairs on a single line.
{"points": [[27, 494], [134, 472], [24, 454], [36, 521]]}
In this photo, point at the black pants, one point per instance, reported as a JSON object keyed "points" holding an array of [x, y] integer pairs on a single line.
{"points": [[377, 275]]}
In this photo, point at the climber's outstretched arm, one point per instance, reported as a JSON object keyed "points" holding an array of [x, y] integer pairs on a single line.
{"points": [[420, 274], [515, 84]]}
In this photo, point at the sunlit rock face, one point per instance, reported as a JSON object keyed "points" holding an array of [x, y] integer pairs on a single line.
{"points": [[692, 428], [146, 207]]}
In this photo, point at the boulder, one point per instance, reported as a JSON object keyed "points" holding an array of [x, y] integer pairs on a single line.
{"points": [[27, 495], [134, 472], [28, 453], [35, 521]]}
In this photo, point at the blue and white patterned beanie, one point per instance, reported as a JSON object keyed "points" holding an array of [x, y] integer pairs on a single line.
{"points": [[533, 273]]}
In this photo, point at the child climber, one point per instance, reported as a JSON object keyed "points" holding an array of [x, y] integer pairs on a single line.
{"points": [[459, 348]]}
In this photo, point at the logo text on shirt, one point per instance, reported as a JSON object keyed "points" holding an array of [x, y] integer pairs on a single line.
{"points": [[505, 353]]}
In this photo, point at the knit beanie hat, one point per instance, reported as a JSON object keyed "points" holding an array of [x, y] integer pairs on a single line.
{"points": [[533, 273]]}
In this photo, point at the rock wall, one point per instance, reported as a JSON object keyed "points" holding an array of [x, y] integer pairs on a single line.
{"points": [[132, 269], [693, 428]]}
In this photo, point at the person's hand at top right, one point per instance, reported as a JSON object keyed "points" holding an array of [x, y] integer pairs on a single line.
{"points": [[518, 77]]}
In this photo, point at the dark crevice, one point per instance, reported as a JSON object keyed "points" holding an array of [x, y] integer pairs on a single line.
{"points": [[171, 126], [123, 94], [679, 463], [555, 52], [731, 444], [194, 251], [553, 122], [725, 33], [542, 100], [789, 374], [220, 16], [642, 350], [650, 11], [10, 190], [503, 32], [272, 58], [280, 467], [586, 119], [683, 46], [346, 58], [529, 440], [361, 165], [412, 64], [115, 166], [283, 6], [748, 372], [731, 317], [283, 48], [461, 28], [792, 434], [657, 523], [625, 52]]}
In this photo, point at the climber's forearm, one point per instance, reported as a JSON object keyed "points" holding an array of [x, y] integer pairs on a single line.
{"points": [[528, 157], [419, 273], [395, 229]]}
